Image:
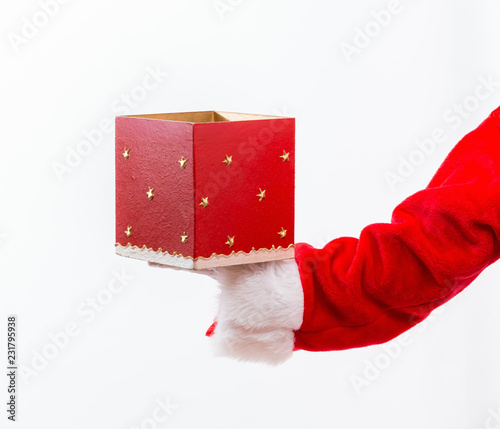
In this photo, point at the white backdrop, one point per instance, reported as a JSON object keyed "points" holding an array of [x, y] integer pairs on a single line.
{"points": [[368, 82]]}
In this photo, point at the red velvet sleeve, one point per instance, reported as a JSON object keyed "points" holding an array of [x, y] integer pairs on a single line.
{"points": [[365, 291]]}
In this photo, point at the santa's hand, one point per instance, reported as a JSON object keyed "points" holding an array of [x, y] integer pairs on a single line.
{"points": [[261, 305]]}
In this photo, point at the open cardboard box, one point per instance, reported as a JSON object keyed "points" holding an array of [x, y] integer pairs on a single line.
{"points": [[205, 189]]}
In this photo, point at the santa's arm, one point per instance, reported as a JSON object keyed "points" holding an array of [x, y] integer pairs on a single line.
{"points": [[358, 292]]}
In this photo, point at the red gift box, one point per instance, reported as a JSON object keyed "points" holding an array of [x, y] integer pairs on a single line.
{"points": [[205, 189]]}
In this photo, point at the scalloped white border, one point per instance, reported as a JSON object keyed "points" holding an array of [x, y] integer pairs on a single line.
{"points": [[159, 257]]}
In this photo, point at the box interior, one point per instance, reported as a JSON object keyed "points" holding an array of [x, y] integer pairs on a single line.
{"points": [[207, 116]]}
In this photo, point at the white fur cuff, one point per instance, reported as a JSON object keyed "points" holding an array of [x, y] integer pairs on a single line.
{"points": [[260, 307]]}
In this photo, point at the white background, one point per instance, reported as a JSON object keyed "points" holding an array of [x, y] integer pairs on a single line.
{"points": [[358, 117]]}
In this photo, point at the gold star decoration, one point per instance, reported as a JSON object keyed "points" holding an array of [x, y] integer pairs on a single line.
{"points": [[261, 194], [150, 193], [184, 238], [285, 156], [204, 202], [228, 160], [126, 153], [230, 241], [182, 161], [282, 233], [128, 232]]}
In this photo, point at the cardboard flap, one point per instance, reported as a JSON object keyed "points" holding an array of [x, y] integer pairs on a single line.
{"points": [[205, 116]]}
